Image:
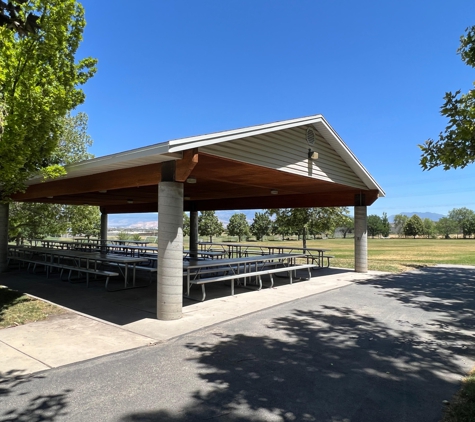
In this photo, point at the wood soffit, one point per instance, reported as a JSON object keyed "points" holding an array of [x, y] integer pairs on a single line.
{"points": [[222, 184]]}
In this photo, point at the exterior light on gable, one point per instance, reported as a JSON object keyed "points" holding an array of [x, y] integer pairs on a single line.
{"points": [[312, 155]]}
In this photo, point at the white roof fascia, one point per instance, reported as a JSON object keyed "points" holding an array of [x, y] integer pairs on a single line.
{"points": [[347, 155], [157, 153], [218, 137]]}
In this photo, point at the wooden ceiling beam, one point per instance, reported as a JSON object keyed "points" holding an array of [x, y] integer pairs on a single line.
{"points": [[185, 166]]}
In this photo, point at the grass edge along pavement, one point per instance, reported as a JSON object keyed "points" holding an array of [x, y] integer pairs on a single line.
{"points": [[462, 406], [18, 308]]}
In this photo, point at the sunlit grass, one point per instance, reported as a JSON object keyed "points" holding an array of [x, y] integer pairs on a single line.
{"points": [[462, 406], [395, 255], [17, 308]]}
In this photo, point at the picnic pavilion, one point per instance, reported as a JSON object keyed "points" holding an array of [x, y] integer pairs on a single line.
{"points": [[287, 164]]}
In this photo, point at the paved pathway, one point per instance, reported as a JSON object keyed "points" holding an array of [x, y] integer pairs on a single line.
{"points": [[391, 348]]}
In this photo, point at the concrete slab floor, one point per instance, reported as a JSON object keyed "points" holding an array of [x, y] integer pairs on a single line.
{"points": [[101, 322]]}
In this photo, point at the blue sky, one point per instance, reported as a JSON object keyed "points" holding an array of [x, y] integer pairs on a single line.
{"points": [[377, 71]]}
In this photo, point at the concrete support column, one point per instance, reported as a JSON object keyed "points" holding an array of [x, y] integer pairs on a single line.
{"points": [[170, 251], [3, 236], [194, 234], [361, 239], [103, 234]]}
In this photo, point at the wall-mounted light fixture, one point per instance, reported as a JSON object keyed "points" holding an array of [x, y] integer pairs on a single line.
{"points": [[49, 197], [191, 180], [274, 192], [130, 201], [102, 191], [312, 155], [186, 198]]}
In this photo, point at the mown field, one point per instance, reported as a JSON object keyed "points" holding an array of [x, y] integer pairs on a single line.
{"points": [[395, 255]]}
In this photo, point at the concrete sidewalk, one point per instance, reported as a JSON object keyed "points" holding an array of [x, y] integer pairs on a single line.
{"points": [[98, 323]]}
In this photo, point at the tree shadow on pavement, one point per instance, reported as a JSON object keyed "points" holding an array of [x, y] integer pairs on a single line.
{"points": [[330, 364], [47, 407], [447, 292]]}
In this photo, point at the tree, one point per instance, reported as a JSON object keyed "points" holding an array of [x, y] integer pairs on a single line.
{"points": [[385, 226], [261, 225], [399, 223], [209, 224], [374, 225], [468, 226], [39, 85], [347, 225], [455, 147], [446, 226], [460, 216], [13, 18], [238, 226], [35, 221], [186, 224], [84, 220], [429, 227], [414, 226], [309, 220]]}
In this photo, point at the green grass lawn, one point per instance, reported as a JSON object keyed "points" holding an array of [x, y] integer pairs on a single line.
{"points": [[395, 255], [17, 308]]}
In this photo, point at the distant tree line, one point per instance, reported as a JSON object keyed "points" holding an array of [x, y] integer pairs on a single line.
{"points": [[284, 222], [459, 222]]}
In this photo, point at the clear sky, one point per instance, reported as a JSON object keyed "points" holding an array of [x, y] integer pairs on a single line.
{"points": [[377, 71]]}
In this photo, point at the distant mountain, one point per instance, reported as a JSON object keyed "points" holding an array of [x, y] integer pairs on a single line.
{"points": [[431, 215]]}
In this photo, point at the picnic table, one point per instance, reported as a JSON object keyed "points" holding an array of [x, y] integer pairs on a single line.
{"points": [[316, 256], [55, 258], [240, 268]]}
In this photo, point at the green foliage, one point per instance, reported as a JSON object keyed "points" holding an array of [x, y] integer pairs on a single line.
{"points": [[84, 220], [36, 221], [261, 225], [462, 217], [385, 226], [308, 220], [446, 226], [399, 222], [31, 221], [374, 225], [468, 226], [455, 147], [136, 237], [209, 224], [13, 18], [414, 226], [429, 227], [122, 236], [347, 225], [39, 82], [238, 226], [186, 224]]}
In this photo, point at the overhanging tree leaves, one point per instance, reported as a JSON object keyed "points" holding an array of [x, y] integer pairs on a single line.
{"points": [[13, 17], [35, 221], [39, 85], [455, 147]]}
